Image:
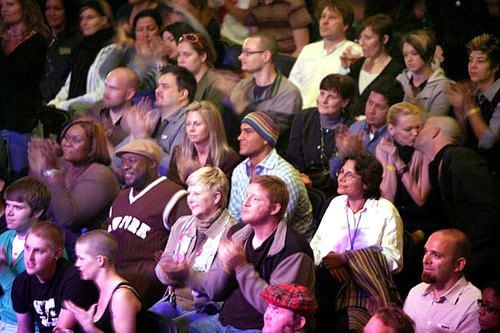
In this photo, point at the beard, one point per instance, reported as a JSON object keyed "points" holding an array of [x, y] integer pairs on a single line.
{"points": [[428, 278]]}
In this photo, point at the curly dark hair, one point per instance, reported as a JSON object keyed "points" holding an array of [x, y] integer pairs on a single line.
{"points": [[370, 170]]}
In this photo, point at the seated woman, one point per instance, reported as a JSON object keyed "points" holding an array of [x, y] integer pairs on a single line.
{"points": [[357, 247], [477, 104], [423, 85], [196, 54], [192, 247], [204, 144], [83, 84], [406, 180], [118, 303], [82, 185], [23, 47], [138, 53], [312, 137], [375, 34], [489, 309], [170, 36], [206, 17]]}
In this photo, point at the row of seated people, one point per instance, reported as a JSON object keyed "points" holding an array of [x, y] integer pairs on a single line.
{"points": [[90, 62], [221, 274]]}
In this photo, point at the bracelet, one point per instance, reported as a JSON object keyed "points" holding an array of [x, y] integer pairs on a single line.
{"points": [[473, 111], [51, 173], [390, 168]]}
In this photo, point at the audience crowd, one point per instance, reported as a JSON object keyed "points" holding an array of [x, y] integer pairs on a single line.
{"points": [[249, 166]]}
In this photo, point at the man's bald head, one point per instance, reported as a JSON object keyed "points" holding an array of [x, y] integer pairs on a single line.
{"points": [[120, 87]]}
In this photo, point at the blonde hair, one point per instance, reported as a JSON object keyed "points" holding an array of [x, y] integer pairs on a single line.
{"points": [[100, 243], [211, 179], [217, 142], [402, 109], [393, 116]]}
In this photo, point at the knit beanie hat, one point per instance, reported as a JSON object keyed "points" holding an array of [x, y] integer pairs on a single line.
{"points": [[263, 124]]}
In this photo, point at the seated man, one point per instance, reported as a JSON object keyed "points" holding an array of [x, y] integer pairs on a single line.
{"points": [[261, 251], [259, 133], [267, 89], [176, 89], [318, 59], [445, 300], [290, 308], [120, 87], [141, 216], [465, 190], [390, 320], [38, 293], [27, 200]]}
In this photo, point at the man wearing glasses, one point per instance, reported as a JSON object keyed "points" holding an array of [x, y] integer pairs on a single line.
{"points": [[445, 301], [266, 89]]}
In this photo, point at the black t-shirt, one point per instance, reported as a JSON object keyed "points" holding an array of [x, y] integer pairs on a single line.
{"points": [[44, 300]]}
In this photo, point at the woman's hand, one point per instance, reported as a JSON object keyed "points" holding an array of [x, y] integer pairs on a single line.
{"points": [[42, 155], [458, 95], [160, 52], [348, 57], [122, 36], [84, 317], [386, 144], [334, 260], [176, 269]]}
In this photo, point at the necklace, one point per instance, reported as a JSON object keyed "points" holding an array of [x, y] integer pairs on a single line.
{"points": [[356, 227]]}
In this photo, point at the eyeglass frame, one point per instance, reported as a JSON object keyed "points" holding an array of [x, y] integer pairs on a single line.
{"points": [[488, 308], [348, 174], [250, 53]]}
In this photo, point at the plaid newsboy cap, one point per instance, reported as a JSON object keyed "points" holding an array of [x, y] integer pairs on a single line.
{"points": [[290, 296]]}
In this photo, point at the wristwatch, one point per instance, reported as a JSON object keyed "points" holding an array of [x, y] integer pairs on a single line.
{"points": [[402, 171]]}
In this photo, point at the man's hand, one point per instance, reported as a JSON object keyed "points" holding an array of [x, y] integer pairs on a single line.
{"points": [[231, 255], [141, 120]]}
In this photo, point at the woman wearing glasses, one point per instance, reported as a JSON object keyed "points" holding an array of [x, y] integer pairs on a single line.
{"points": [[196, 54], [312, 137], [489, 308], [82, 185], [204, 144], [359, 239]]}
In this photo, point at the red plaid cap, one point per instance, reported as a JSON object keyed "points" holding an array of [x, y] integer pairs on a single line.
{"points": [[290, 296]]}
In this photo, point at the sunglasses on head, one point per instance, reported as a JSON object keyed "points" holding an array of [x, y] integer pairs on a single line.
{"points": [[193, 39]]}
